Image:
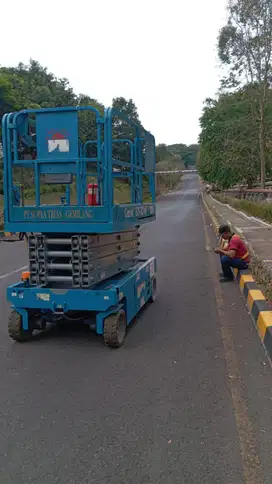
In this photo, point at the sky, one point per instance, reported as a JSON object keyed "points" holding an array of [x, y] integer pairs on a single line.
{"points": [[162, 54]]}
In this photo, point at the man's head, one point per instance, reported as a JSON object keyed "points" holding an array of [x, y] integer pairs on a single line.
{"points": [[225, 231]]}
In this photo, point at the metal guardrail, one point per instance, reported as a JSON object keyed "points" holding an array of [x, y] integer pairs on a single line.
{"points": [[174, 171]]}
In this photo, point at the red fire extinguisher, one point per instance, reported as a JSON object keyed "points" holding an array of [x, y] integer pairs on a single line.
{"points": [[92, 194]]}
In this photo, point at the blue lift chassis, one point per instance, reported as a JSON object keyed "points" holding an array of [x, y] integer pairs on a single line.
{"points": [[114, 303]]}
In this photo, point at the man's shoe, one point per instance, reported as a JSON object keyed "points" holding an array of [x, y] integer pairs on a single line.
{"points": [[226, 279]]}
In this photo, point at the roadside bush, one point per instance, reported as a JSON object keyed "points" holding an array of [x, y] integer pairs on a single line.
{"points": [[29, 193], [260, 210]]}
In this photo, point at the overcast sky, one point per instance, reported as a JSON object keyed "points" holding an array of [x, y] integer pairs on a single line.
{"points": [[162, 54]]}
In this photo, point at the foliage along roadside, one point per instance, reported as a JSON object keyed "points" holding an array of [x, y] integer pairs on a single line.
{"points": [[236, 128], [229, 152], [260, 210]]}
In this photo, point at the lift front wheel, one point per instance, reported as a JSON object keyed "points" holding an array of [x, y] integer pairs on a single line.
{"points": [[115, 327], [15, 328]]}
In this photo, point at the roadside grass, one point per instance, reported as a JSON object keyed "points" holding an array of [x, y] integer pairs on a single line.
{"points": [[260, 210]]}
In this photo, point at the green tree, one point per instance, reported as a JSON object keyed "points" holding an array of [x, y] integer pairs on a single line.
{"points": [[229, 140], [7, 94], [177, 149], [245, 47], [193, 151], [87, 123], [163, 153], [127, 107], [122, 130], [32, 86], [178, 152], [186, 153]]}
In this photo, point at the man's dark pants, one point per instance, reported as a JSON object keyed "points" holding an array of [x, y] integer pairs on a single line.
{"points": [[228, 264]]}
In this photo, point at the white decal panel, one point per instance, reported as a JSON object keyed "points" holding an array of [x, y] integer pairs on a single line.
{"points": [[61, 145]]}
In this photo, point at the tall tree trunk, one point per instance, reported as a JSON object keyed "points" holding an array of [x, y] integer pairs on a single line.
{"points": [[262, 143]]}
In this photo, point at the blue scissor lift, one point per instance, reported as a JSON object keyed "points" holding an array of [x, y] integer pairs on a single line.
{"points": [[84, 260]]}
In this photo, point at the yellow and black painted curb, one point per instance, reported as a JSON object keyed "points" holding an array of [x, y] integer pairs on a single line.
{"points": [[257, 304], [258, 307]]}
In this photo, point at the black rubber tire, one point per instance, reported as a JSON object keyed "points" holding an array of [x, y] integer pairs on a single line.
{"points": [[15, 328], [115, 327], [154, 292]]}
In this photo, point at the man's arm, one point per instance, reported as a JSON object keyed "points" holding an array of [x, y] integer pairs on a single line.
{"points": [[229, 253], [233, 247]]}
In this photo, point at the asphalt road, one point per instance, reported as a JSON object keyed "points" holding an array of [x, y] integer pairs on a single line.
{"points": [[186, 400]]}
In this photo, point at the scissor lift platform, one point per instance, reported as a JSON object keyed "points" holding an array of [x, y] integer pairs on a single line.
{"points": [[112, 303], [48, 147]]}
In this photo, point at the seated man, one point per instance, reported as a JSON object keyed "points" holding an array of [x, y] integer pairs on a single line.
{"points": [[235, 255]]}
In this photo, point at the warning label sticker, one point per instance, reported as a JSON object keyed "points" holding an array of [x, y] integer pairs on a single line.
{"points": [[61, 145]]}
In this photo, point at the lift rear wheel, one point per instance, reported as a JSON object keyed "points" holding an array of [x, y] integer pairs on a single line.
{"points": [[115, 327], [15, 328]]}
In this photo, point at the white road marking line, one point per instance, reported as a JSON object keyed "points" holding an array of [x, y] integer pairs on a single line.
{"points": [[8, 274], [243, 214], [266, 224], [251, 227]]}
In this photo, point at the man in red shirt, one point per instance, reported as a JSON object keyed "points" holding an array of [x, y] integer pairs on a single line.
{"points": [[235, 255]]}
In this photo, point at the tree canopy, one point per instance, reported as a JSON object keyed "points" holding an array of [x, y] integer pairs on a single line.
{"points": [[236, 127], [178, 152], [33, 86]]}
